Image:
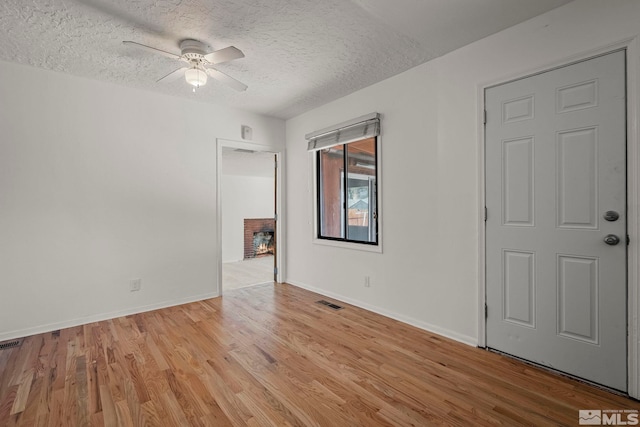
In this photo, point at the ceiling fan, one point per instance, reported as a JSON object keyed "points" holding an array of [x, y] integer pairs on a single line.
{"points": [[199, 63]]}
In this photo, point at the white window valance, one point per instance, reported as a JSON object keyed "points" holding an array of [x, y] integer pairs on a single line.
{"points": [[362, 127]]}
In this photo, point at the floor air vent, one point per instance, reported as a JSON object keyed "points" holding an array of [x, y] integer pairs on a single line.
{"points": [[329, 304], [10, 344]]}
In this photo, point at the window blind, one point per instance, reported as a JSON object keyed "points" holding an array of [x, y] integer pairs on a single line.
{"points": [[356, 129]]}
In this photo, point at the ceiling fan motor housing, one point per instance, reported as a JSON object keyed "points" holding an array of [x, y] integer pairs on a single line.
{"points": [[193, 49]]}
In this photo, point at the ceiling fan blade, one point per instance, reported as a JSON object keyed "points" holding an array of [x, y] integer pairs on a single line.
{"points": [[219, 75], [174, 75], [151, 49], [224, 55]]}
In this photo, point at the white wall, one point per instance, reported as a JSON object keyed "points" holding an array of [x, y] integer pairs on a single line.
{"points": [[100, 184], [428, 276], [243, 197]]}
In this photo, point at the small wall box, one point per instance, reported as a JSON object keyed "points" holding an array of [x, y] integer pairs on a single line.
{"points": [[247, 132]]}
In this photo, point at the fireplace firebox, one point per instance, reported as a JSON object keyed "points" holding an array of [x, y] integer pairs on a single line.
{"points": [[263, 243], [259, 237]]}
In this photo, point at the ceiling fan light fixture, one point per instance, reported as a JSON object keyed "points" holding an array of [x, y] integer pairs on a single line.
{"points": [[196, 77]]}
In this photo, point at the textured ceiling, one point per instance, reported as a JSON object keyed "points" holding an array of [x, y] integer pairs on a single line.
{"points": [[300, 54]]}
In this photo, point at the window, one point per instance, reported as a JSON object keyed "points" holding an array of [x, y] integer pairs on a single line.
{"points": [[346, 159]]}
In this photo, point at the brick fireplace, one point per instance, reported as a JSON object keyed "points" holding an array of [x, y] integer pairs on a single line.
{"points": [[259, 237]]}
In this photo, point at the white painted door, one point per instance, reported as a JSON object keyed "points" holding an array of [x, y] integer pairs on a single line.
{"points": [[555, 164]]}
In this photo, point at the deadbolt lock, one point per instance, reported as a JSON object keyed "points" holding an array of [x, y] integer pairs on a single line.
{"points": [[611, 216]]}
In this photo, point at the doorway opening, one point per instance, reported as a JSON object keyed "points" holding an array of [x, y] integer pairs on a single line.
{"points": [[247, 208]]}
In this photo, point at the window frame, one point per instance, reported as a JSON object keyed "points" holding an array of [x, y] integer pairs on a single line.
{"points": [[316, 206]]}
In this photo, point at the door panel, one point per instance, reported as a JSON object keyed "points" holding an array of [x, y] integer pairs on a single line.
{"points": [[555, 163], [519, 288], [517, 182], [578, 298], [577, 162]]}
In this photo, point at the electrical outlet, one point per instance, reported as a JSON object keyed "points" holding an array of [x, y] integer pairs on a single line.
{"points": [[367, 281], [135, 284]]}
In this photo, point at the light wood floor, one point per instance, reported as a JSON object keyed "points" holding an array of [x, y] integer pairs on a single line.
{"points": [[269, 355], [248, 272]]}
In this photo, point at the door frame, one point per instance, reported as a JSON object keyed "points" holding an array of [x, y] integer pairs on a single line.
{"points": [[279, 204], [631, 46]]}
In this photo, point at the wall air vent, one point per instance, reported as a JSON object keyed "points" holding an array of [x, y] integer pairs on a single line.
{"points": [[329, 304]]}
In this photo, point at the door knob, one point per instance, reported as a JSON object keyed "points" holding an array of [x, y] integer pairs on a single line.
{"points": [[611, 239], [611, 215]]}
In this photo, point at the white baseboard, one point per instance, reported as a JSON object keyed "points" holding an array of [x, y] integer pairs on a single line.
{"points": [[465, 339], [100, 317]]}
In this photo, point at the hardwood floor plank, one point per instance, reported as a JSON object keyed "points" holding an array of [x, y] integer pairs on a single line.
{"points": [[6, 402], [232, 407], [82, 394], [96, 420], [173, 409], [109, 414], [160, 362], [30, 412], [248, 388], [152, 416], [137, 378], [260, 416], [213, 412], [124, 415], [57, 412], [268, 355], [189, 403], [93, 383], [290, 395], [132, 403], [24, 387]]}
